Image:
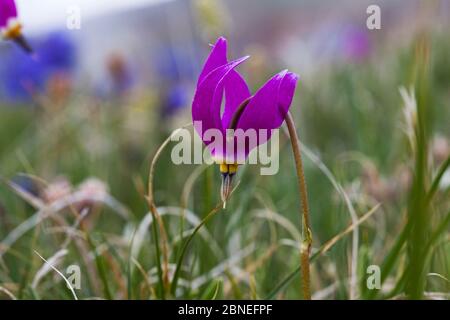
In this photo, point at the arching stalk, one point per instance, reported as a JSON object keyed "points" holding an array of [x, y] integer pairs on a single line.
{"points": [[305, 249]]}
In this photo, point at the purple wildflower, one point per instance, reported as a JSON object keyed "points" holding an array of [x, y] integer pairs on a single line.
{"points": [[174, 99], [265, 110], [22, 77], [53, 63], [356, 44], [57, 51], [10, 27]]}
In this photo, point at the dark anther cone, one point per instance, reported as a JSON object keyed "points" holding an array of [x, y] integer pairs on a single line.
{"points": [[23, 43]]}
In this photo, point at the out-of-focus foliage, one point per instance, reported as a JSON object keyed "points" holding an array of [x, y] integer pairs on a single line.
{"points": [[351, 113]]}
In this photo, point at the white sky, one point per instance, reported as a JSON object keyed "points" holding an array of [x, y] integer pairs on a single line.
{"points": [[42, 14]]}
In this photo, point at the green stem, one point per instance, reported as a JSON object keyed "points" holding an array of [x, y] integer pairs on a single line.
{"points": [[158, 258]]}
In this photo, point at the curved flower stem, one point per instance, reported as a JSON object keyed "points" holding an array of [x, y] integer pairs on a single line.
{"points": [[305, 248]]}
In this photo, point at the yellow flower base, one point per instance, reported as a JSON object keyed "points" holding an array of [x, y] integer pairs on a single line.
{"points": [[228, 168], [13, 32]]}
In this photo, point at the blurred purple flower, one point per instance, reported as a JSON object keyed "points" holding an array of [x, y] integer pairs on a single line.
{"points": [[266, 109], [355, 43], [174, 99], [57, 52], [24, 75], [173, 64]]}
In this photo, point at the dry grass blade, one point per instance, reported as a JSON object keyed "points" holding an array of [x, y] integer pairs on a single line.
{"points": [[45, 269], [330, 243], [281, 221], [34, 201], [69, 285], [144, 274], [44, 213], [438, 275], [8, 293]]}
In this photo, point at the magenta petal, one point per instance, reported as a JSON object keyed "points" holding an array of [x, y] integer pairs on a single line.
{"points": [[269, 106], [271, 102], [236, 91], [208, 97], [7, 10], [217, 57], [285, 96]]}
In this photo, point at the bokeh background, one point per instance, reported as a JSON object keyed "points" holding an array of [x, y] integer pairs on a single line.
{"points": [[82, 118]]}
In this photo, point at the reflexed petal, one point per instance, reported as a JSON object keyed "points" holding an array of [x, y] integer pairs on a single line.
{"points": [[217, 57], [269, 106], [285, 96], [208, 97], [7, 10]]}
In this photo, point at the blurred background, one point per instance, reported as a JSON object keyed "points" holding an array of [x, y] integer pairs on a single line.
{"points": [[86, 113]]}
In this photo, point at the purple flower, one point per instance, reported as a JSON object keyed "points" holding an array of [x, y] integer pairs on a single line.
{"points": [[264, 111], [10, 26], [24, 75], [58, 52], [174, 99], [8, 15], [356, 43]]}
